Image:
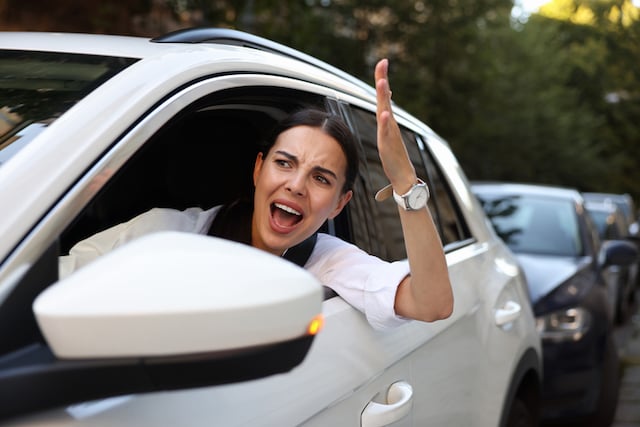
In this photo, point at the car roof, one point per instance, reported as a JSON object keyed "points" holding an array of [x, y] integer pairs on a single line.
{"points": [[178, 41], [94, 44], [542, 190]]}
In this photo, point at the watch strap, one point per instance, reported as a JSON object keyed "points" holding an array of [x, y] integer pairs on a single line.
{"points": [[403, 200], [388, 191]]}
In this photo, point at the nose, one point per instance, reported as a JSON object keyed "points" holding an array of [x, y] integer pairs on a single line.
{"points": [[296, 184]]}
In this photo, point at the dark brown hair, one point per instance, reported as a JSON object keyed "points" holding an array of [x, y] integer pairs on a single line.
{"points": [[332, 125]]}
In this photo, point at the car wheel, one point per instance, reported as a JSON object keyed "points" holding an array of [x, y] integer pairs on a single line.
{"points": [[520, 415], [608, 400]]}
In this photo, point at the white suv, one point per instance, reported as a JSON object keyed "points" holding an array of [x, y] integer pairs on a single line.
{"points": [[188, 330]]}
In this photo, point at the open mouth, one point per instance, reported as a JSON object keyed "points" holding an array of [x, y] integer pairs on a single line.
{"points": [[284, 215]]}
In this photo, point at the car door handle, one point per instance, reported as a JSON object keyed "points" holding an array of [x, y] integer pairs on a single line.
{"points": [[508, 313], [398, 405]]}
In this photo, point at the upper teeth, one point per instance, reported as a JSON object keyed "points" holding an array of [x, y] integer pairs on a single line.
{"points": [[287, 209]]}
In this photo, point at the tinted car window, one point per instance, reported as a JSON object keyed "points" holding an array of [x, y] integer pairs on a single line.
{"points": [[451, 225], [41, 87], [442, 206], [535, 225]]}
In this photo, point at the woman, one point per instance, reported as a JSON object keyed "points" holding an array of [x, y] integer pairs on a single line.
{"points": [[302, 179]]}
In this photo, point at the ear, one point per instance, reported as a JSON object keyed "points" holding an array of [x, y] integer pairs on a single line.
{"points": [[342, 202], [257, 167]]}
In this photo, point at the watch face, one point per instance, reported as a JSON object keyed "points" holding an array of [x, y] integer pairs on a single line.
{"points": [[418, 198]]}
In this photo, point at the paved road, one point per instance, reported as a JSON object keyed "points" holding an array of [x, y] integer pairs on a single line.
{"points": [[628, 338]]}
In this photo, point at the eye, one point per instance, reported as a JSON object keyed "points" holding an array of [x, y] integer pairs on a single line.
{"points": [[322, 179], [283, 163]]}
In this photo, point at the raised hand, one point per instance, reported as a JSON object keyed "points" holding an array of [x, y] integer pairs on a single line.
{"points": [[391, 148]]}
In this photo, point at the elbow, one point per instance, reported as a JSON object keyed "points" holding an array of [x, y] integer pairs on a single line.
{"points": [[441, 311], [428, 306], [446, 311]]}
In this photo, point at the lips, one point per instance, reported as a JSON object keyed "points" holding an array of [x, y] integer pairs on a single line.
{"points": [[285, 216]]}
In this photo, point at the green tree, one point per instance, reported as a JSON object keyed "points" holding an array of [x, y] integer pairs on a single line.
{"points": [[528, 124], [603, 41]]}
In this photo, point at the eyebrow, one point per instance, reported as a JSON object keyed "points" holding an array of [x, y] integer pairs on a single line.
{"points": [[315, 168]]}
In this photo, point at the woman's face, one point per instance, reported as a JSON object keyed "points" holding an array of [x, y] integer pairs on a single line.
{"points": [[298, 185]]}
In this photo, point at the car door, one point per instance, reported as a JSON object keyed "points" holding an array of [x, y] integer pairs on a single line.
{"points": [[444, 379], [451, 372]]}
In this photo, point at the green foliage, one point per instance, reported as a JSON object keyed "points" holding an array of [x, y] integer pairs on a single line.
{"points": [[527, 124], [550, 100], [531, 103]]}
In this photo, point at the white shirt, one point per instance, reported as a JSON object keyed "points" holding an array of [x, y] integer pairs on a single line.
{"points": [[364, 281]]}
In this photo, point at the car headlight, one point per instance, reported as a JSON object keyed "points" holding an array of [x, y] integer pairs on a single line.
{"points": [[564, 325]]}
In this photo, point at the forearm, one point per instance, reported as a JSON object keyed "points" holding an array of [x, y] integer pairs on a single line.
{"points": [[426, 294]]}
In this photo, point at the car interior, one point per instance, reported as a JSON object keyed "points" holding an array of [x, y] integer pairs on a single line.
{"points": [[204, 157]]}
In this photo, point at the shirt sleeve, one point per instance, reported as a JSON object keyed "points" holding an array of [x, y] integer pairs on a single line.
{"points": [[366, 282], [157, 219]]}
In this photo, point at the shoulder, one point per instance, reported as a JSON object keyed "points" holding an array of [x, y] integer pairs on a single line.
{"points": [[327, 241], [190, 220], [334, 259], [332, 249]]}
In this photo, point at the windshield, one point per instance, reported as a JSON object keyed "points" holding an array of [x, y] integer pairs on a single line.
{"points": [[537, 225], [38, 87]]}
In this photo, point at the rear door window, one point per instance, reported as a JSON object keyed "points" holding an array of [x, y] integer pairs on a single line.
{"points": [[388, 233]]}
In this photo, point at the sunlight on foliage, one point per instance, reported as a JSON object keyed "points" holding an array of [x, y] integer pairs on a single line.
{"points": [[585, 13]]}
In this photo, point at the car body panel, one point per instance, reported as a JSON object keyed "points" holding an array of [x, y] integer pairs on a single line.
{"points": [[548, 272]]}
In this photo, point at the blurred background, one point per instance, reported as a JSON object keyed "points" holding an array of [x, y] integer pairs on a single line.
{"points": [[542, 93]]}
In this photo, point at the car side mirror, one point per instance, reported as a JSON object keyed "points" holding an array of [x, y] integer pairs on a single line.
{"points": [[633, 234], [617, 252], [166, 311]]}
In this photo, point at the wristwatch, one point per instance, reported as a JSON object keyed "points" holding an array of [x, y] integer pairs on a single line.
{"points": [[414, 199]]}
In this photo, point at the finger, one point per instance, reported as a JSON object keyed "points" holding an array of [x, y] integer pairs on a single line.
{"points": [[382, 76], [383, 92], [383, 125], [382, 69]]}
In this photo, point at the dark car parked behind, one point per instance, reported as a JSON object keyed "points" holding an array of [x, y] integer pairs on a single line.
{"points": [[626, 205], [565, 264], [612, 225]]}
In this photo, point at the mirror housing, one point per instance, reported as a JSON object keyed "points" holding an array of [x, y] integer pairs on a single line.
{"points": [[170, 294], [166, 311], [617, 252]]}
